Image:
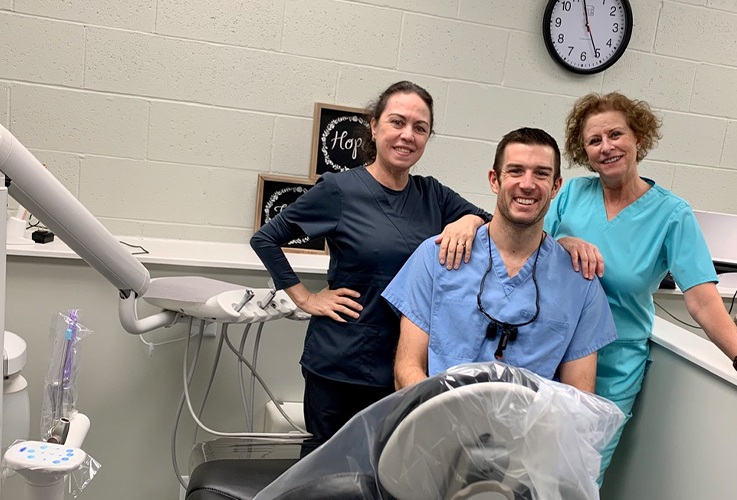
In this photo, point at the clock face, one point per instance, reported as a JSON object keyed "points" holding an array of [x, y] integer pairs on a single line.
{"points": [[587, 36]]}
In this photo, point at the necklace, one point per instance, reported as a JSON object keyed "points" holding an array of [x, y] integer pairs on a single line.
{"points": [[508, 330]]}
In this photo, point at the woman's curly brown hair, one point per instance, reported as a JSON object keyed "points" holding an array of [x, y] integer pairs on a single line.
{"points": [[640, 118]]}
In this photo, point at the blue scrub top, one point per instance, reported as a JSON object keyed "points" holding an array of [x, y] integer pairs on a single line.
{"points": [[574, 318]]}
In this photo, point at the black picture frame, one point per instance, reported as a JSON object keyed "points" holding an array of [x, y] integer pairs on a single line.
{"points": [[336, 140], [275, 193]]}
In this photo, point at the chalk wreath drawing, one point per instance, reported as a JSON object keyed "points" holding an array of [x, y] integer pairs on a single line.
{"points": [[341, 141], [271, 207], [274, 194], [338, 133]]}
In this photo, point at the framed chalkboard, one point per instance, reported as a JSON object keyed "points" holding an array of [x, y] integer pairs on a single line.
{"points": [[275, 193], [336, 138]]}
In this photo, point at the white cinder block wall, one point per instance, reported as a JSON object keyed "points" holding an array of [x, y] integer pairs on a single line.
{"points": [[159, 114]]}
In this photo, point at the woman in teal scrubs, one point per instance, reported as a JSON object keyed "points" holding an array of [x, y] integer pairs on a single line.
{"points": [[640, 230]]}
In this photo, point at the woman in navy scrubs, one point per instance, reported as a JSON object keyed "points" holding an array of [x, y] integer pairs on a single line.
{"points": [[373, 218]]}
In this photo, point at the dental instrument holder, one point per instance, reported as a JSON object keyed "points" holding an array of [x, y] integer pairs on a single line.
{"points": [[263, 303], [60, 395], [57, 464], [247, 296], [59, 431]]}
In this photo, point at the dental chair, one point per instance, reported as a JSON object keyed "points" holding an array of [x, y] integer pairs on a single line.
{"points": [[483, 430]]}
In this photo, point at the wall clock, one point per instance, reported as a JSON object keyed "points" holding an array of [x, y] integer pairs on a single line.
{"points": [[587, 36]]}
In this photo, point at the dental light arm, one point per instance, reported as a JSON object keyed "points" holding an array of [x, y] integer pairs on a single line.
{"points": [[34, 187]]}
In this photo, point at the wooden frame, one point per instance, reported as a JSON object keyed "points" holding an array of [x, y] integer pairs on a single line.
{"points": [[335, 138], [275, 193]]}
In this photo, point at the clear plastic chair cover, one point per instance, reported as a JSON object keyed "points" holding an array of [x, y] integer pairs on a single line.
{"points": [[478, 429]]}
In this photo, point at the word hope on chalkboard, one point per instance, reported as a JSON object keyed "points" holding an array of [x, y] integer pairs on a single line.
{"points": [[337, 138]]}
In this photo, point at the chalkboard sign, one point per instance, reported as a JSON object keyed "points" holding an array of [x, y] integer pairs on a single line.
{"points": [[336, 141], [275, 193]]}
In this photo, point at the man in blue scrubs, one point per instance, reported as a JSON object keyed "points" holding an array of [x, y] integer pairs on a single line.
{"points": [[518, 299]]}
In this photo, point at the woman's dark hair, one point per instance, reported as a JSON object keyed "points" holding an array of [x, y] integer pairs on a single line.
{"points": [[376, 108]]}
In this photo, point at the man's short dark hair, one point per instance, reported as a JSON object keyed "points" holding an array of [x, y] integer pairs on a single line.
{"points": [[530, 137]]}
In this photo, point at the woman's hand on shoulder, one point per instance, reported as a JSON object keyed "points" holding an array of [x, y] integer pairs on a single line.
{"points": [[456, 241], [331, 303], [585, 256]]}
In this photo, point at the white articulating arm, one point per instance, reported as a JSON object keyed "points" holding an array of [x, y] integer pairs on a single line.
{"points": [[34, 187], [128, 315], [49, 201]]}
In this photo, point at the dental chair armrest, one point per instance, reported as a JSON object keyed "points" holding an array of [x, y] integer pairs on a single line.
{"points": [[234, 479]]}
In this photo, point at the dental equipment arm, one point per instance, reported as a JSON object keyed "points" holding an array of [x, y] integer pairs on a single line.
{"points": [[34, 187]]}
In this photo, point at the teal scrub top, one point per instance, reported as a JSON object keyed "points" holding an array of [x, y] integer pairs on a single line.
{"points": [[655, 234]]}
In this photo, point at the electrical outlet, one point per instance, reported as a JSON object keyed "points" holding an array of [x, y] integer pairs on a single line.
{"points": [[210, 328]]}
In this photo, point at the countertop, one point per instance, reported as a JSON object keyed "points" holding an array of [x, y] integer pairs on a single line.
{"points": [[205, 254], [190, 253]]}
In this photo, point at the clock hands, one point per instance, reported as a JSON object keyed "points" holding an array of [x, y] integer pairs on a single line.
{"points": [[588, 28], [569, 36]]}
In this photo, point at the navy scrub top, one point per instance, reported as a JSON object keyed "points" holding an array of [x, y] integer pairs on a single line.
{"points": [[371, 231]]}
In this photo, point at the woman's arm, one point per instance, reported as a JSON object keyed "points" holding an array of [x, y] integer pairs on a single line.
{"points": [[461, 219], [585, 256], [705, 305], [267, 241], [326, 302], [456, 240], [585, 253]]}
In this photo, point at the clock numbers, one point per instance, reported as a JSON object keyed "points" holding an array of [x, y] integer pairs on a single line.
{"points": [[587, 35]]}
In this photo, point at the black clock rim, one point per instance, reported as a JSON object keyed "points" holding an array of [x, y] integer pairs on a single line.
{"points": [[629, 24]]}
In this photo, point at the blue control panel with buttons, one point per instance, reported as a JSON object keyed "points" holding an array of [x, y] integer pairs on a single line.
{"points": [[41, 455]]}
